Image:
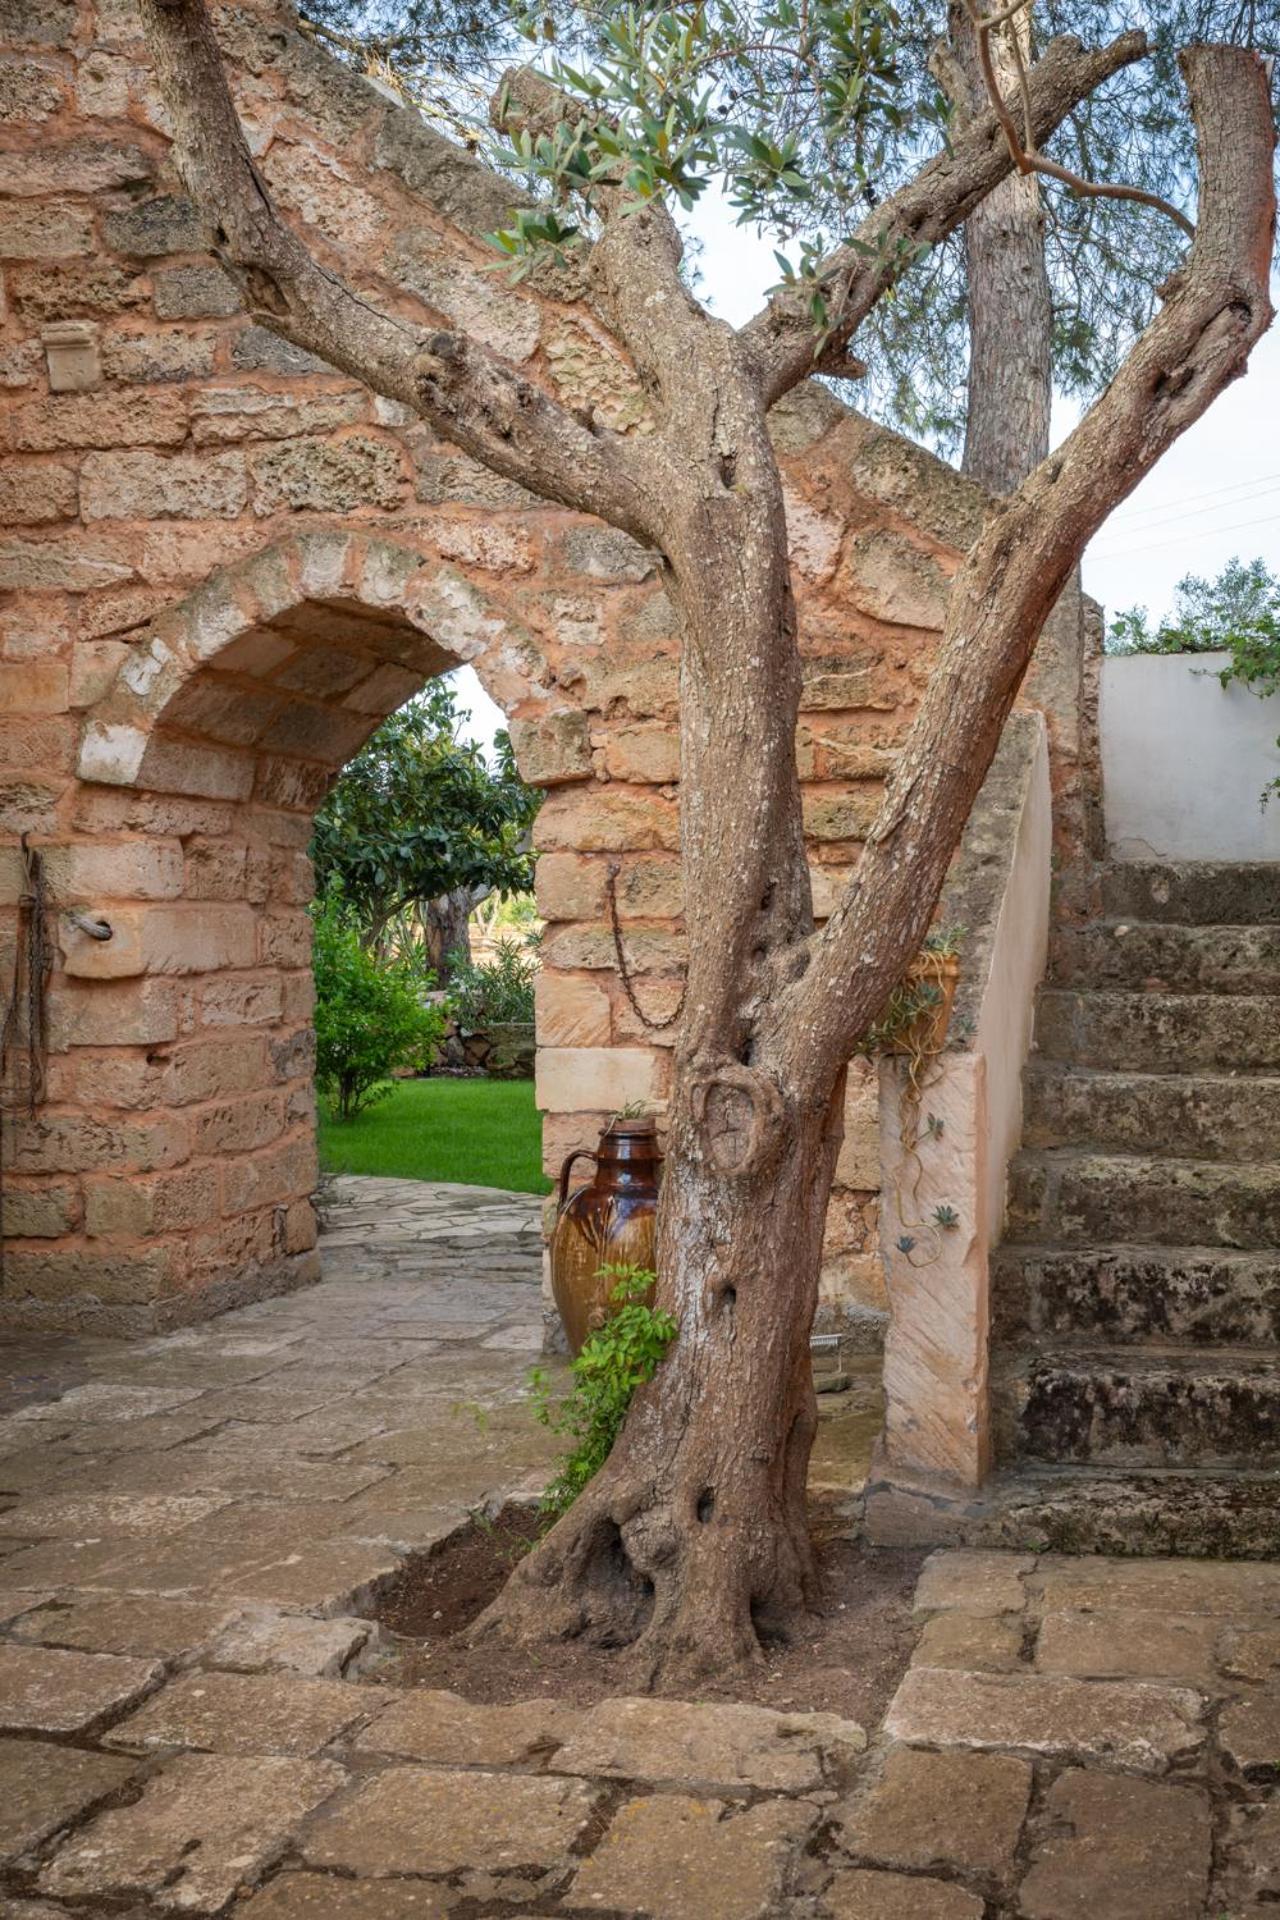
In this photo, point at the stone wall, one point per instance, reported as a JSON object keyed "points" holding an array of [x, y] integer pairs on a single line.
{"points": [[225, 563]]}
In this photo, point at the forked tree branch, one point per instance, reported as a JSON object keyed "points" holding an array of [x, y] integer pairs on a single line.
{"points": [[1217, 307], [931, 205], [1023, 147], [469, 394]]}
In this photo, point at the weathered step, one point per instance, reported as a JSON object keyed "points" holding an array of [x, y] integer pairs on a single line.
{"points": [[1138, 1295], [1194, 1515], [1086, 1199], [1159, 1032], [1154, 955], [1193, 892], [1197, 1116], [1132, 1409]]}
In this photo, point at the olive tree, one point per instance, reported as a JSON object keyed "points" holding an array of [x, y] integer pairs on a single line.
{"points": [[692, 1541]]}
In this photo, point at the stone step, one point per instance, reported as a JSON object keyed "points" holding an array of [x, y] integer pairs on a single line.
{"points": [[1098, 1199], [1138, 1295], [1194, 892], [1193, 1116], [1152, 1512], [1152, 955], [1068, 1407], [1159, 1032]]}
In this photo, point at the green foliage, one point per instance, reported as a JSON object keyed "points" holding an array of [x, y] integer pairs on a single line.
{"points": [[419, 813], [620, 1356], [1238, 613], [496, 994], [806, 113], [370, 1014]]}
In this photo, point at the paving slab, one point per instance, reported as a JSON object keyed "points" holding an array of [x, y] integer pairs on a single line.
{"points": [[1253, 1849], [1131, 1724], [1249, 1734], [930, 1810], [422, 1820], [733, 1748], [13, 1605], [218, 1712], [138, 1624], [976, 1642], [264, 1639], [1116, 1848], [106, 1516], [103, 1400], [1228, 1588], [204, 1826], [672, 1857], [48, 1690], [322, 1896], [1250, 1653], [42, 1787], [445, 1730], [859, 1894], [1110, 1644], [974, 1581]]}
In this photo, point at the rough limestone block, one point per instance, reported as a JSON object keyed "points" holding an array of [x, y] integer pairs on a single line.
{"points": [[322, 1896], [941, 1810], [417, 1820], [204, 1825], [1127, 1723], [43, 1787], [552, 750], [264, 1638], [693, 1857], [973, 1581], [245, 1713], [443, 1729], [582, 1079], [1113, 1848], [47, 1690], [731, 1748], [895, 1896]]}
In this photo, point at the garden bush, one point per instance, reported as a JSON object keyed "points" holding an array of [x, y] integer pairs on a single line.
{"points": [[371, 1014]]}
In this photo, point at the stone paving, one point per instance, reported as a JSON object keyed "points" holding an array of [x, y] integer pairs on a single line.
{"points": [[193, 1718]]}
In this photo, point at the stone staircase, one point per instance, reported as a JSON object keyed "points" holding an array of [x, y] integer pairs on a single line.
{"points": [[1136, 1298]]}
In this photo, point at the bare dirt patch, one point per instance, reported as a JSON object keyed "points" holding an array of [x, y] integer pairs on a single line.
{"points": [[847, 1660]]}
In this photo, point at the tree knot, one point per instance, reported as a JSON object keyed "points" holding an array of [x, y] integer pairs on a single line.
{"points": [[740, 1111]]}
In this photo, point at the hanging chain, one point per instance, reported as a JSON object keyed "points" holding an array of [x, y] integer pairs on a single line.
{"points": [[624, 972], [32, 965]]}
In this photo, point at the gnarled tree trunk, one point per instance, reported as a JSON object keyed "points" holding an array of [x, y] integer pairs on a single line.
{"points": [[691, 1541]]}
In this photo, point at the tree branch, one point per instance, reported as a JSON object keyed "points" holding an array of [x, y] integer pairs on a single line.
{"points": [[933, 204], [1217, 307], [1027, 157], [470, 395]]}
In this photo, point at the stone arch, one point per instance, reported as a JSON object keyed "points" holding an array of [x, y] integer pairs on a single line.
{"points": [[181, 1094], [265, 681]]}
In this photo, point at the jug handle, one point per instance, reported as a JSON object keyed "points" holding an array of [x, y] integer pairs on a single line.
{"points": [[579, 1153]]}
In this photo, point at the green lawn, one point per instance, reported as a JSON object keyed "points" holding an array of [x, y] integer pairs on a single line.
{"points": [[482, 1133]]}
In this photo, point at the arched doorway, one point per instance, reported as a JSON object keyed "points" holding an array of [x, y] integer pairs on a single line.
{"points": [[191, 1022]]}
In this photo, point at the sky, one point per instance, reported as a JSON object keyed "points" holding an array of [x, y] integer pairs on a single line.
{"points": [[1215, 494]]}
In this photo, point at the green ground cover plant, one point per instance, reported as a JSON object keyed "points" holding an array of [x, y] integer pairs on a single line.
{"points": [[479, 1133]]}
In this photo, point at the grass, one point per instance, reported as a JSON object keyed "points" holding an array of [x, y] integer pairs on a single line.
{"points": [[481, 1133]]}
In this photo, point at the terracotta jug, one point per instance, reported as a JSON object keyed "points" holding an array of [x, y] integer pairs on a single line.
{"points": [[609, 1222]]}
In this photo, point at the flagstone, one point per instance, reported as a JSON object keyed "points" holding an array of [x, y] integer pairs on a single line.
{"points": [[421, 1820], [42, 1787], [675, 1857], [50, 1690], [205, 1825], [138, 1624], [245, 1713]]}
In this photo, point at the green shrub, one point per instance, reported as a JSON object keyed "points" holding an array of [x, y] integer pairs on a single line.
{"points": [[496, 995], [620, 1356], [370, 1014]]}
